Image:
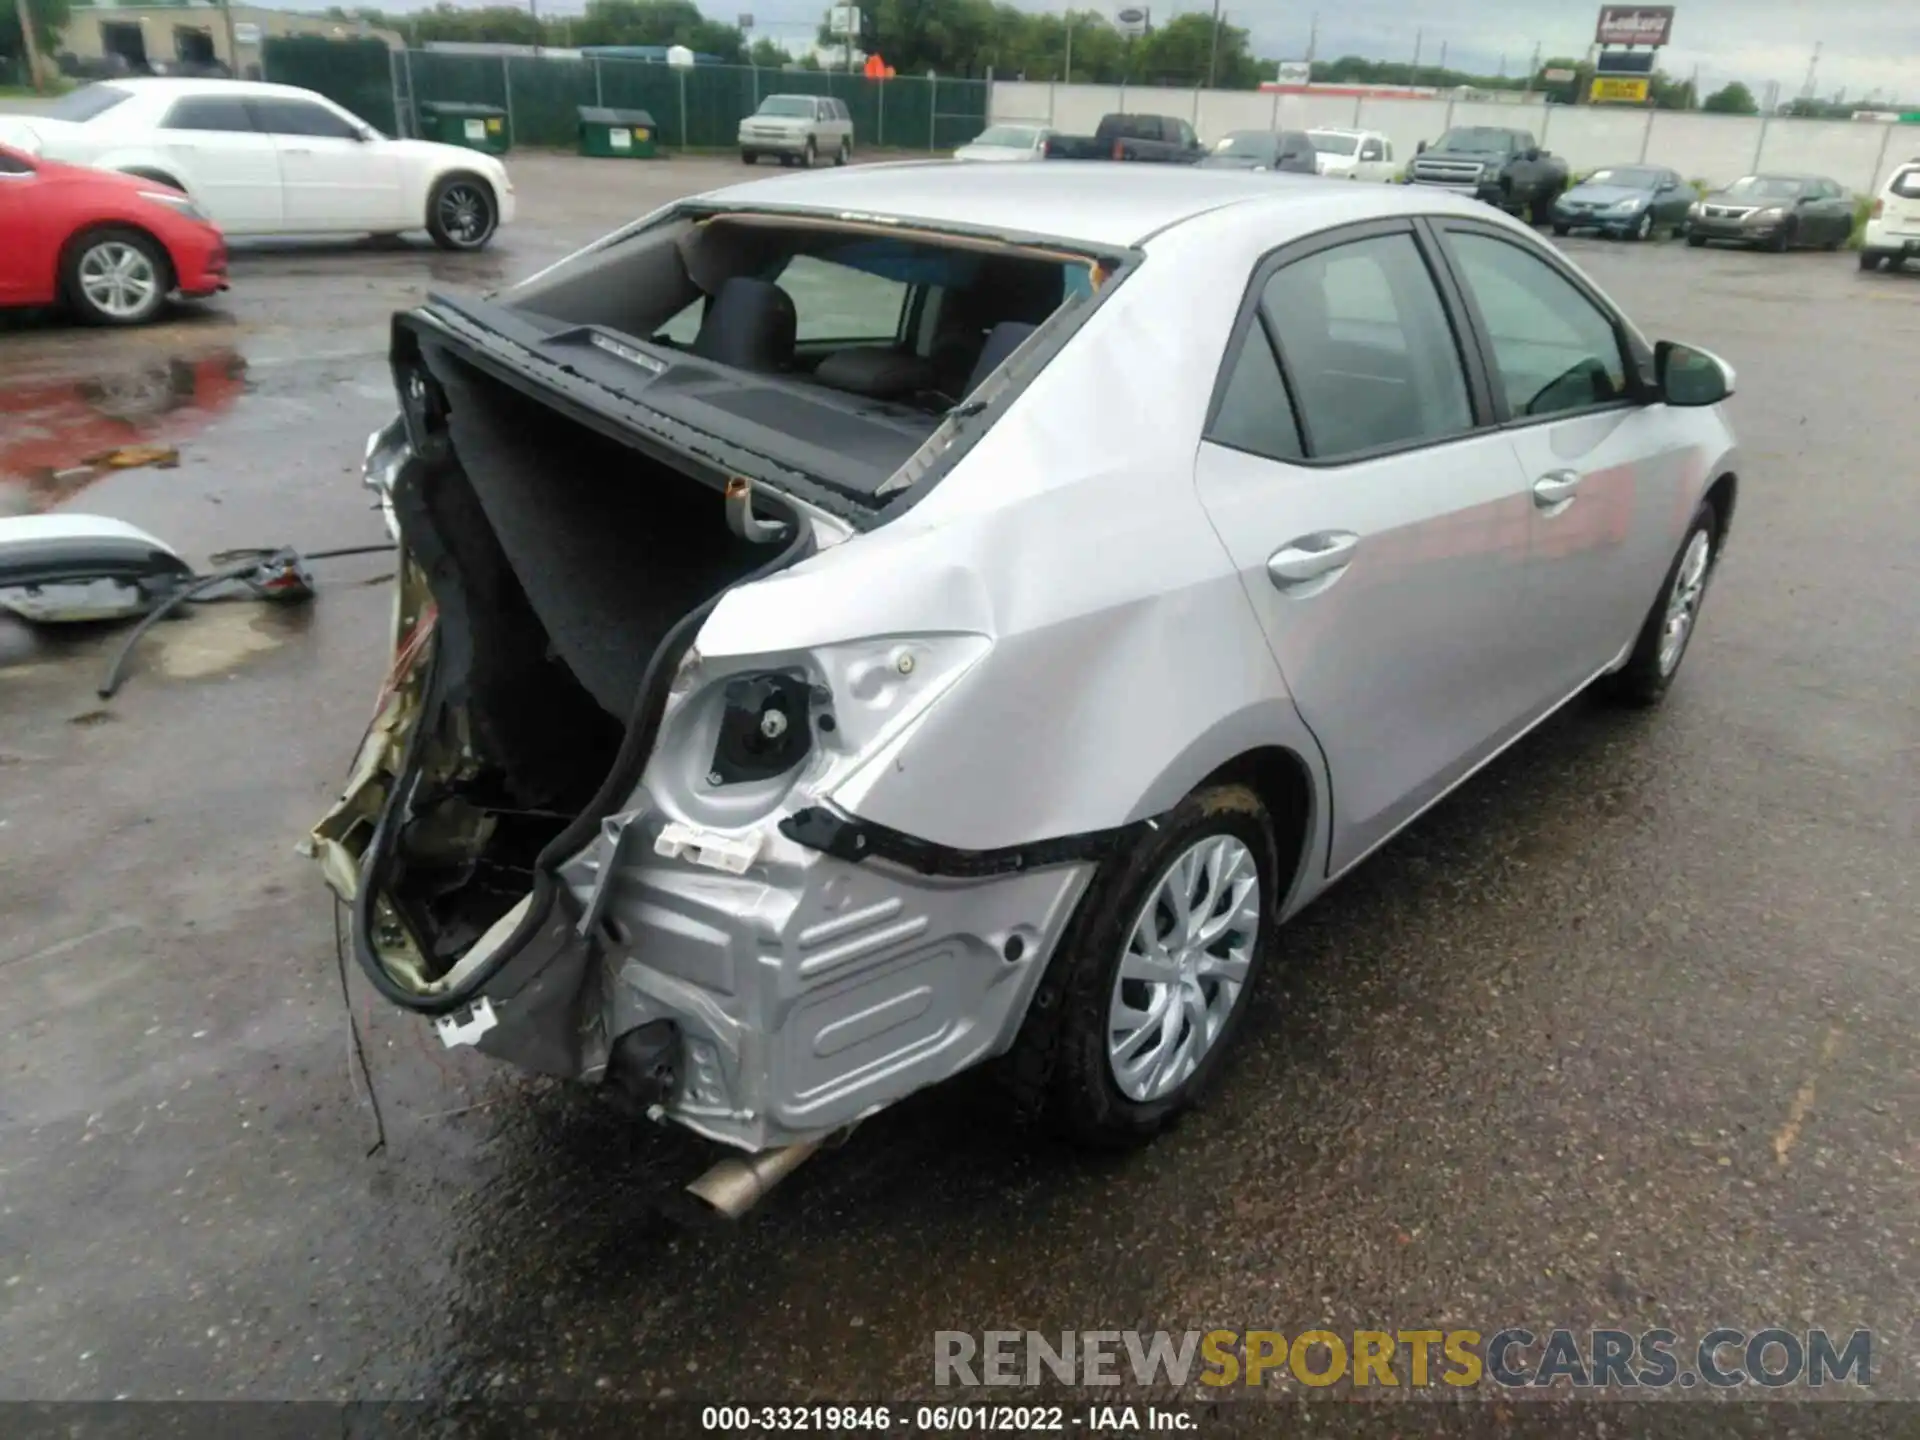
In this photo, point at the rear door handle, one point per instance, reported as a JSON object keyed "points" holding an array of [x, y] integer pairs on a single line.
{"points": [[1311, 556], [1555, 486]]}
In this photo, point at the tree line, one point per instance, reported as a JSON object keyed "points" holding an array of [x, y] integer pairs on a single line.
{"points": [[971, 38]]}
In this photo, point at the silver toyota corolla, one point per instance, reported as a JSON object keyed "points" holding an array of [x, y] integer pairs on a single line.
{"points": [[857, 626]]}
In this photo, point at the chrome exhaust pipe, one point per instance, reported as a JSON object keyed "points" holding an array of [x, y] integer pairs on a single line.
{"points": [[740, 1182]]}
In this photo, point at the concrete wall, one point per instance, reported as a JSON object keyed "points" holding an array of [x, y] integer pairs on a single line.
{"points": [[1714, 148]]}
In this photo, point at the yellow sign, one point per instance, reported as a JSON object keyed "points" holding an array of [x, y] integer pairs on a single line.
{"points": [[1619, 90]]}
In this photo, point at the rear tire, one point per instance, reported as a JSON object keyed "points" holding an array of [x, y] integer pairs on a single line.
{"points": [[1561, 230], [1870, 260], [1650, 670], [116, 275], [1103, 980], [462, 212], [845, 153]]}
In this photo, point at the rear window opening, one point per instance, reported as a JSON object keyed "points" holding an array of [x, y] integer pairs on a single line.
{"points": [[835, 350], [565, 507], [1906, 184]]}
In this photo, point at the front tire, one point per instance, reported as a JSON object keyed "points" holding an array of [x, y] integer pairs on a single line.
{"points": [[1560, 230], [1668, 630], [1870, 260], [809, 156], [116, 276], [462, 213], [1698, 242], [747, 157], [1644, 230], [1781, 240], [1150, 983]]}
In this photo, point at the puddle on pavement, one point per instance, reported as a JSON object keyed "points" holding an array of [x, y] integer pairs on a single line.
{"points": [[59, 436]]}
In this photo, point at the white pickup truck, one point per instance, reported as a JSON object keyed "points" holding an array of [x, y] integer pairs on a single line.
{"points": [[1355, 154]]}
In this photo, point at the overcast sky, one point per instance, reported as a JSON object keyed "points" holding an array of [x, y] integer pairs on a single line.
{"points": [[1866, 44]]}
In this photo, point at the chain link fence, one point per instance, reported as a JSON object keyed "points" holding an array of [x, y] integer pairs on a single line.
{"points": [[696, 107]]}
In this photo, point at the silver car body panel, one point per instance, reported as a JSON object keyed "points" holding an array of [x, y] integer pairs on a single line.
{"points": [[1065, 636]]}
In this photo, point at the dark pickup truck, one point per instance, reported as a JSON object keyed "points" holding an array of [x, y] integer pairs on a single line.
{"points": [[1503, 167], [1131, 137]]}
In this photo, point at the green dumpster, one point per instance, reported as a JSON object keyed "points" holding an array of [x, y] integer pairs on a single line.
{"points": [[456, 122], [618, 134]]}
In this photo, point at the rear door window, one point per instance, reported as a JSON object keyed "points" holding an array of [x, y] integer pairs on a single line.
{"points": [[1367, 348], [209, 112], [1906, 184]]}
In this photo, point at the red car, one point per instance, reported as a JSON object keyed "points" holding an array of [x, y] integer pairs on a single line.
{"points": [[111, 247]]}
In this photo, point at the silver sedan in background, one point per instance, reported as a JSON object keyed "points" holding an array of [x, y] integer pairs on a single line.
{"points": [[831, 655]]}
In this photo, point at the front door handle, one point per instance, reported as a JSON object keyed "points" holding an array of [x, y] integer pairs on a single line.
{"points": [[1554, 487], [1311, 556]]}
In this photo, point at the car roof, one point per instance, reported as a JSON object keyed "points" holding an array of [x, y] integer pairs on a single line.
{"points": [[1088, 202], [201, 85]]}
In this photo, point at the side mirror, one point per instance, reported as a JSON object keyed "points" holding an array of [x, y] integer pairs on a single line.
{"points": [[1421, 148], [1531, 155], [1690, 377]]}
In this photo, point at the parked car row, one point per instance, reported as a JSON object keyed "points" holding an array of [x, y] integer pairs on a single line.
{"points": [[265, 159]]}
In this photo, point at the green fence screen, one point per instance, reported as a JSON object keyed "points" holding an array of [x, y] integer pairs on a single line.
{"points": [[697, 107], [357, 74]]}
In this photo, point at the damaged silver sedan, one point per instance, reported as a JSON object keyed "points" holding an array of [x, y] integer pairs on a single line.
{"points": [[857, 626]]}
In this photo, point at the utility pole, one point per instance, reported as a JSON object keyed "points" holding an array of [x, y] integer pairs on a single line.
{"points": [[1443, 62], [1419, 36], [226, 22], [1693, 88], [1813, 66], [1069, 47], [533, 9], [31, 43], [1313, 43], [1213, 47], [1533, 69]]}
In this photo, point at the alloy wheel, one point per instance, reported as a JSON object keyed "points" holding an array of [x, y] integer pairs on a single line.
{"points": [[1683, 602], [119, 279], [1186, 963], [466, 215]]}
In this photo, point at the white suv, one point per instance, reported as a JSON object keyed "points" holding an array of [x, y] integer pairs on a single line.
{"points": [[1893, 230], [800, 129]]}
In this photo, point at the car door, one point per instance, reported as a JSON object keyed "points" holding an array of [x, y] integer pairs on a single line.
{"points": [[1375, 159], [1378, 526], [1839, 207], [26, 261], [1605, 474], [232, 169], [1672, 200], [334, 178]]}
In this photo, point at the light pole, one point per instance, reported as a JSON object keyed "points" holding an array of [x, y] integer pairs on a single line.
{"points": [[1213, 48]]}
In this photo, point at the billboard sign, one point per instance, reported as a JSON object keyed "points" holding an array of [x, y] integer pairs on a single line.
{"points": [[843, 22], [1294, 72], [1634, 25], [1624, 62], [1559, 77], [1133, 21], [1612, 90]]}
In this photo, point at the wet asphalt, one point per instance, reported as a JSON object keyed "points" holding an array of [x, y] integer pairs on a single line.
{"points": [[1622, 1034]]}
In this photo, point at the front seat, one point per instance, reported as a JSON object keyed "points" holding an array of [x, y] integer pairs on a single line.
{"points": [[750, 325]]}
